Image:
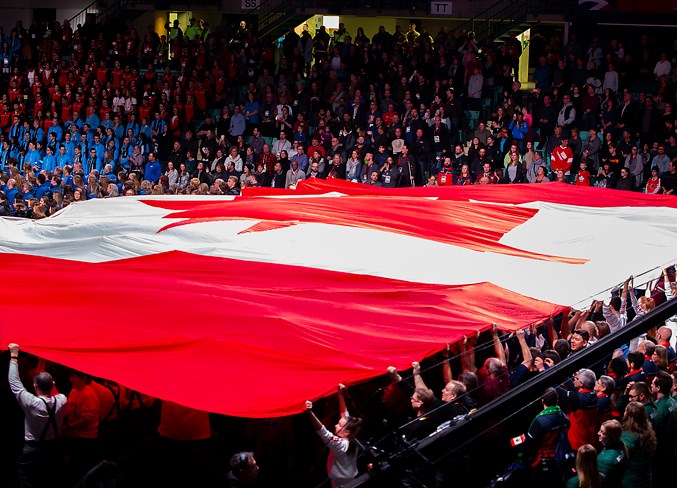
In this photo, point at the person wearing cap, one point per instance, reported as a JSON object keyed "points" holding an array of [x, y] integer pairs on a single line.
{"points": [[562, 157], [44, 415]]}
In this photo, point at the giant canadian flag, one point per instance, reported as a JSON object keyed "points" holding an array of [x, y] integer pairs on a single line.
{"points": [[248, 306]]}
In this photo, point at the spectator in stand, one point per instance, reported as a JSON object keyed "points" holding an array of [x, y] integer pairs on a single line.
{"points": [[640, 438], [543, 437], [153, 169], [664, 422], [82, 425], [44, 414], [562, 157], [243, 470], [342, 462], [588, 474], [614, 457], [615, 312], [581, 402], [669, 180]]}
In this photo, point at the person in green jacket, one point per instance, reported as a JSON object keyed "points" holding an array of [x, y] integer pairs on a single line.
{"points": [[637, 392], [613, 458], [640, 439], [665, 425], [587, 469]]}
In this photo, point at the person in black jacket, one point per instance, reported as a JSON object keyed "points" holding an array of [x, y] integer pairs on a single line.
{"points": [[406, 167], [244, 470], [543, 437], [5, 207], [278, 178]]}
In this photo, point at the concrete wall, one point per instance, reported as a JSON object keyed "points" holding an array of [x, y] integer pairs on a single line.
{"points": [[66, 9], [371, 24]]}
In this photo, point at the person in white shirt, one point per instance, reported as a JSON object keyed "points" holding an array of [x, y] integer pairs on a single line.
{"points": [[663, 66], [615, 312], [342, 461], [44, 417], [611, 79]]}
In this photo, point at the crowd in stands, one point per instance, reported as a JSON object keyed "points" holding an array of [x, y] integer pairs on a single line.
{"points": [[619, 413], [94, 112], [97, 112]]}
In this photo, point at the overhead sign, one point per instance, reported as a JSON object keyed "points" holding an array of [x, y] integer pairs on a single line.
{"points": [[250, 4], [439, 9]]}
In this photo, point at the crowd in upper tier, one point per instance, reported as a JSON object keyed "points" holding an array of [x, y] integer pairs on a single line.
{"points": [[104, 111]]}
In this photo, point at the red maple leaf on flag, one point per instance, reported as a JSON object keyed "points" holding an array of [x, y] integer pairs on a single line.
{"points": [[470, 225]]}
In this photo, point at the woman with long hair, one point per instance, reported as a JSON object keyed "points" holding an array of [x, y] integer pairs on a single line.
{"points": [[184, 177], [614, 456], [514, 172], [223, 123], [219, 157], [639, 437], [146, 188], [172, 174], [78, 195], [342, 461], [660, 357], [465, 178], [93, 188], [587, 470], [235, 158], [284, 161], [78, 182]]}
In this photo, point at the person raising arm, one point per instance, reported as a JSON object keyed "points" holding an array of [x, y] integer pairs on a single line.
{"points": [[342, 461]]}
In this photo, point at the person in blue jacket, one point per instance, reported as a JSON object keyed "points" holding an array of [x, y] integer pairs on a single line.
{"points": [[63, 159], [56, 130], [49, 161], [12, 192], [519, 130], [153, 169], [33, 156], [92, 119], [43, 187], [5, 152]]}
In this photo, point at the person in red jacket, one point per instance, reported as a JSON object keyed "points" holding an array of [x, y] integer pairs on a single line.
{"points": [[583, 176], [581, 403], [562, 157], [446, 175]]}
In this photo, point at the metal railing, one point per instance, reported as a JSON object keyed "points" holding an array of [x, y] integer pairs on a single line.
{"points": [[496, 19], [81, 16], [104, 11], [269, 13]]}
